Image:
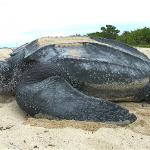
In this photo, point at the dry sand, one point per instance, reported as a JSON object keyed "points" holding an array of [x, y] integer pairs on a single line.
{"points": [[20, 132], [4, 53]]}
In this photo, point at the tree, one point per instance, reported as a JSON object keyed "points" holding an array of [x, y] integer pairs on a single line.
{"points": [[109, 32], [126, 37], [139, 37], [94, 35]]}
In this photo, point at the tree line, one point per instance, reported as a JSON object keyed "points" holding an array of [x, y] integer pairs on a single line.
{"points": [[138, 37]]}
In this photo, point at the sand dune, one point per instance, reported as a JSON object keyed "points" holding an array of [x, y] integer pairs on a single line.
{"points": [[20, 132]]}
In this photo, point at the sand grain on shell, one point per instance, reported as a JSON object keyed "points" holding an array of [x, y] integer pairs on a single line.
{"points": [[17, 131]]}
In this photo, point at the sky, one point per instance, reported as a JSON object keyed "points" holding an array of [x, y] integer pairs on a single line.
{"points": [[22, 21]]}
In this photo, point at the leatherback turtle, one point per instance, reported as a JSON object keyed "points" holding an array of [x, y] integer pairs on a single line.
{"points": [[76, 80]]}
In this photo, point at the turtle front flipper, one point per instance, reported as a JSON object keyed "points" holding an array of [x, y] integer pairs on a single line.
{"points": [[55, 97]]}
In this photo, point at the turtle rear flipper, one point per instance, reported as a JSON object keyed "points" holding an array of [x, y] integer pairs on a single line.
{"points": [[143, 94], [54, 97]]}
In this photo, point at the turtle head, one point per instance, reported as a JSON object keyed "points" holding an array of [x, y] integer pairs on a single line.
{"points": [[5, 78], [10, 71]]}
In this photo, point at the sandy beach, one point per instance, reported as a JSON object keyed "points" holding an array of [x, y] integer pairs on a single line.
{"points": [[21, 132]]}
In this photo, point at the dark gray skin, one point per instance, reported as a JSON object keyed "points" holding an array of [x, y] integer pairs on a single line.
{"points": [[71, 81]]}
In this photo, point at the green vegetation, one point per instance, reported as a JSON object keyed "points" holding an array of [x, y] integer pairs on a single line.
{"points": [[138, 37], [109, 32]]}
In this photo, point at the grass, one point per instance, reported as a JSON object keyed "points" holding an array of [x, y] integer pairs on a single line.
{"points": [[143, 46]]}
